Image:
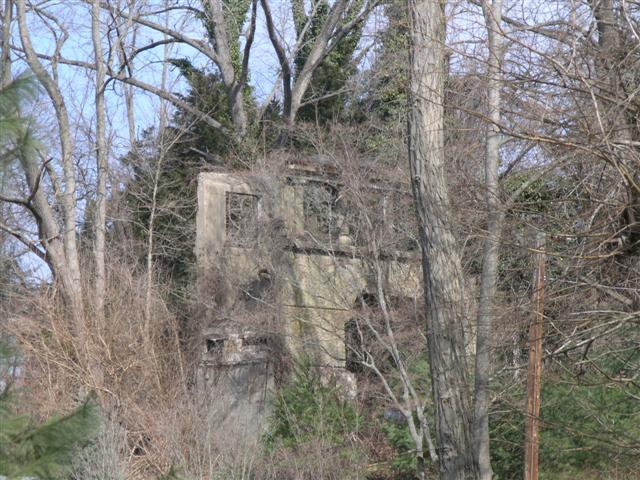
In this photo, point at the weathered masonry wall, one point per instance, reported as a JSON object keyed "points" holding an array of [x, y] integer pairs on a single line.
{"points": [[290, 269]]}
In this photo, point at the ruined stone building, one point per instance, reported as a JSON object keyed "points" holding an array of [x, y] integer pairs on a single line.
{"points": [[285, 260]]}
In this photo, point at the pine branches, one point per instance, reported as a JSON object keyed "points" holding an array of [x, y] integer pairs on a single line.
{"points": [[41, 451]]}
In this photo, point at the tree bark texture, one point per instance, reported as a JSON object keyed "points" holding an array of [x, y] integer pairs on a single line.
{"points": [[443, 279]]}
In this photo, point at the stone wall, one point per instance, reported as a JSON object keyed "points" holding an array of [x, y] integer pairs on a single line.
{"points": [[280, 264]]}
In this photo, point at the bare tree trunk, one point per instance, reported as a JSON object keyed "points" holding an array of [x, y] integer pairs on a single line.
{"points": [[318, 52], [6, 18], [126, 56], [492, 10], [48, 229], [71, 266], [443, 280], [131, 116], [230, 77], [282, 57], [154, 196], [101, 162]]}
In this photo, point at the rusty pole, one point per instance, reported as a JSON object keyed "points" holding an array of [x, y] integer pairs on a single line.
{"points": [[534, 373]]}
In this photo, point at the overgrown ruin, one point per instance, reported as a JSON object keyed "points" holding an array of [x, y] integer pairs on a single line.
{"points": [[285, 261]]}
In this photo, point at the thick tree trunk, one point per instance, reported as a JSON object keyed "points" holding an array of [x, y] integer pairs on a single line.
{"points": [[230, 76], [48, 229], [443, 280], [492, 10]]}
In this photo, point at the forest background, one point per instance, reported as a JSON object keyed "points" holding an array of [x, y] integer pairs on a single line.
{"points": [[524, 116]]}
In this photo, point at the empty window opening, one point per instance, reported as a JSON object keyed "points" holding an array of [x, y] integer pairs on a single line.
{"points": [[256, 341], [321, 219], [353, 346], [214, 345], [241, 219]]}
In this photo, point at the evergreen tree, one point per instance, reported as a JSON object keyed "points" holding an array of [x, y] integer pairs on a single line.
{"points": [[16, 143], [207, 94], [15, 136], [386, 96], [326, 95], [34, 450]]}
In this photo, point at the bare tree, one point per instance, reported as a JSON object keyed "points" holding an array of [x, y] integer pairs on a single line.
{"points": [[223, 27], [387, 344], [443, 277], [406, 398], [6, 17], [124, 46], [342, 18], [492, 10], [59, 241], [101, 160], [613, 105]]}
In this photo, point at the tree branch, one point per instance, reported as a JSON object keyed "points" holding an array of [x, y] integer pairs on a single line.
{"points": [[25, 241]]}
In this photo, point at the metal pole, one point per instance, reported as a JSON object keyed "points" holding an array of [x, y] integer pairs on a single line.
{"points": [[534, 373]]}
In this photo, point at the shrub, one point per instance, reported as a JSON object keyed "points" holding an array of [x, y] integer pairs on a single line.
{"points": [[307, 408], [586, 427], [313, 432]]}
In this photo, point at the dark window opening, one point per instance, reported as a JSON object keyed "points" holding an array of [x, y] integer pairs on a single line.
{"points": [[321, 217], [214, 345], [256, 341], [366, 299], [241, 219], [353, 347]]}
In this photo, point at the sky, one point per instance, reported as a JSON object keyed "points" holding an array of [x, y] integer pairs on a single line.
{"points": [[465, 31], [78, 84]]}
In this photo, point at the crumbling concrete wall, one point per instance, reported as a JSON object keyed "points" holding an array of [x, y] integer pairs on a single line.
{"points": [[280, 279], [235, 378]]}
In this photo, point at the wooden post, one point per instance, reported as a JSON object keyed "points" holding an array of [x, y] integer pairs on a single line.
{"points": [[534, 373]]}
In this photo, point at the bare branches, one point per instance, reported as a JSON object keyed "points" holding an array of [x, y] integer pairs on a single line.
{"points": [[33, 248], [218, 50], [342, 17], [173, 34], [66, 144], [282, 58]]}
